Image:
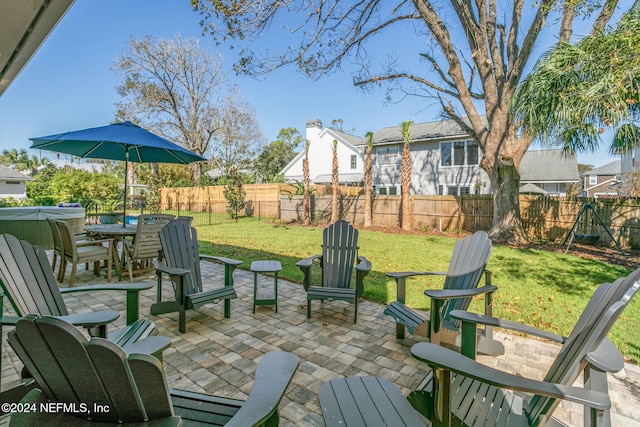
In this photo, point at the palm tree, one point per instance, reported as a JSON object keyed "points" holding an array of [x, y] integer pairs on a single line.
{"points": [[306, 204], [576, 91], [334, 183], [367, 180], [405, 175]]}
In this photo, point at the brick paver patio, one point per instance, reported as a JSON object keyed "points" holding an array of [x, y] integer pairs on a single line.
{"points": [[219, 356]]}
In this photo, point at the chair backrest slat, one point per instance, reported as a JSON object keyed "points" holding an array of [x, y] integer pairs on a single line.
{"points": [[339, 254], [27, 278], [146, 241], [180, 249]]}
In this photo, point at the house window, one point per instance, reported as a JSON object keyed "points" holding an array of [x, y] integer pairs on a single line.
{"points": [[353, 161], [459, 153], [440, 189], [393, 191], [465, 190], [383, 191], [13, 182], [452, 191], [387, 155], [472, 153], [593, 179]]}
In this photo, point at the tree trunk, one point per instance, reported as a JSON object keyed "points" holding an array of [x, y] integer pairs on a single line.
{"points": [[405, 177], [367, 188], [335, 214], [507, 222], [306, 204]]}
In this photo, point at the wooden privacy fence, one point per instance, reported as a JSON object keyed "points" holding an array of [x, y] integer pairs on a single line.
{"points": [[544, 218]]}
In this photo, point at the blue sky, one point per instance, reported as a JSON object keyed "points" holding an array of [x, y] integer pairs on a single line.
{"points": [[69, 83]]}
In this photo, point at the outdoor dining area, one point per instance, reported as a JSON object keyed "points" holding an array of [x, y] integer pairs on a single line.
{"points": [[281, 363]]}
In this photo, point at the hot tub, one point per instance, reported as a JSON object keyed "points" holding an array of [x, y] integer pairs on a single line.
{"points": [[30, 223]]}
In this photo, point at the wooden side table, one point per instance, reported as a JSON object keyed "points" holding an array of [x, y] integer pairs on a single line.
{"points": [[264, 295], [365, 401]]}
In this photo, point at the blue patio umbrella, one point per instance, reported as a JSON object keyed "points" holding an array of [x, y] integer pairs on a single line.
{"points": [[119, 141]]}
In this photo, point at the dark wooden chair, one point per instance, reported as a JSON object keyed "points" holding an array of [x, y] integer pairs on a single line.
{"points": [[128, 386], [28, 282], [337, 261], [468, 264], [181, 262], [463, 392], [145, 244]]}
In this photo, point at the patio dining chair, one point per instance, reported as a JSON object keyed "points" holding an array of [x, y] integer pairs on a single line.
{"points": [[81, 252], [129, 387], [145, 244]]}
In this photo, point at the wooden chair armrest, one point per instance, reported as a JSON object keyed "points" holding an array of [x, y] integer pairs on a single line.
{"points": [[404, 274], [308, 262], [606, 357], [445, 294], [133, 297], [109, 287], [479, 319], [94, 242], [9, 320], [223, 260], [273, 376], [363, 264], [148, 345], [92, 319], [445, 359], [170, 271]]}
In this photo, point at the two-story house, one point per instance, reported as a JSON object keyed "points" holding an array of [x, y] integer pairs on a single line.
{"points": [[350, 157], [445, 160], [603, 180]]}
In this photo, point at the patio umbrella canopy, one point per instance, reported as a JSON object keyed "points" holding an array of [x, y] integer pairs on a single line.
{"points": [[119, 141]]}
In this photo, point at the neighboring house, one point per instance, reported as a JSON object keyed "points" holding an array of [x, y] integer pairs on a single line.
{"points": [[548, 172], [444, 160], [350, 159], [12, 183], [603, 181]]}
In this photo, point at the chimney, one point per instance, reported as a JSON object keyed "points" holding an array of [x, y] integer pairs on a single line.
{"points": [[314, 126]]}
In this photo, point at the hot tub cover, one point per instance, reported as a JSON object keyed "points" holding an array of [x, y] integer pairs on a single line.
{"points": [[35, 213]]}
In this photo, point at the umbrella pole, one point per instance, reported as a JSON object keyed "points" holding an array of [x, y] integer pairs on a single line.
{"points": [[126, 178]]}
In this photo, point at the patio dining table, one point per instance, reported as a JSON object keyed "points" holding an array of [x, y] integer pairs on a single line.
{"points": [[115, 231]]}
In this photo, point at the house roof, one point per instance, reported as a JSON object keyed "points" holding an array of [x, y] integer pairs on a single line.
{"points": [[548, 166], [442, 129], [532, 188], [351, 139], [24, 25], [613, 168], [10, 174]]}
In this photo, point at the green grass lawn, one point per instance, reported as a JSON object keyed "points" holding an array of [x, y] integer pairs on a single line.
{"points": [[543, 289]]}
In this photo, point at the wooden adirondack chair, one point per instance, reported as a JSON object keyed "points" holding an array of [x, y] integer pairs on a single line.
{"points": [[462, 392], [337, 261], [468, 264], [181, 261], [28, 282], [145, 244], [459, 381], [128, 386]]}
